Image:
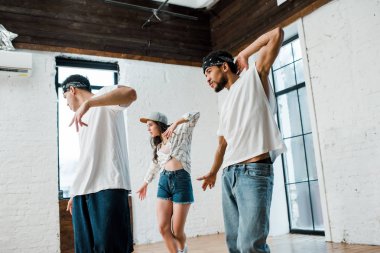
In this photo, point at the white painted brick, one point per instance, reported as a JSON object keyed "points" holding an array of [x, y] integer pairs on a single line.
{"points": [[28, 150], [29, 219], [343, 53]]}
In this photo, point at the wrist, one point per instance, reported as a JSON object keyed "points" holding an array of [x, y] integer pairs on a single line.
{"points": [[213, 172], [89, 103], [243, 55]]}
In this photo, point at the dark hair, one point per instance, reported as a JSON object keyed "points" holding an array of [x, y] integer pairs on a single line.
{"points": [[76, 81], [155, 141], [222, 56]]}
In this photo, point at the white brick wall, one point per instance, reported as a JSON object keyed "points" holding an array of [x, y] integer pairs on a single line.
{"points": [[28, 162], [173, 90], [343, 47], [29, 219]]}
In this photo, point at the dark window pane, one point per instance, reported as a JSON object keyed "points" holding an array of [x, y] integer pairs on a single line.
{"points": [[299, 204], [295, 163], [316, 202], [284, 57], [299, 71], [310, 157], [297, 49], [304, 110], [289, 114]]}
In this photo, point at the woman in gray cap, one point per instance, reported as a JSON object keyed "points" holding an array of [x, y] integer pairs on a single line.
{"points": [[171, 155]]}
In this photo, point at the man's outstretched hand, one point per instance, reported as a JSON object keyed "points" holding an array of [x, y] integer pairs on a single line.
{"points": [[77, 119], [208, 180]]}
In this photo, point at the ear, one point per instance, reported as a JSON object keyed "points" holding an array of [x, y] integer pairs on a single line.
{"points": [[72, 90], [225, 67]]}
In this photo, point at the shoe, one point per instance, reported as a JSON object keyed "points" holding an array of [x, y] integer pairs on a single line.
{"points": [[184, 250]]}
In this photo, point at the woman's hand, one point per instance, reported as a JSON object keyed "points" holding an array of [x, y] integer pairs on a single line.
{"points": [[142, 191], [168, 133]]}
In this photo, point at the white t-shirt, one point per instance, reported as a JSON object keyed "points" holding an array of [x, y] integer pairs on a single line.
{"points": [[247, 122], [103, 160]]}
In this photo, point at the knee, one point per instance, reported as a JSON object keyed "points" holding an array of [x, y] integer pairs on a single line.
{"points": [[164, 229], [178, 233]]}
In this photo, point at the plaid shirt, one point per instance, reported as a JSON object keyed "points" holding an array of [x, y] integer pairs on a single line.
{"points": [[180, 143]]}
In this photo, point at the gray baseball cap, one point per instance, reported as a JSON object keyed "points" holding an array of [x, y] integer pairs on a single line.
{"points": [[155, 116]]}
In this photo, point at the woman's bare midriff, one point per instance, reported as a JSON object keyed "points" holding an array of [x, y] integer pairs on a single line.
{"points": [[257, 158], [173, 164]]}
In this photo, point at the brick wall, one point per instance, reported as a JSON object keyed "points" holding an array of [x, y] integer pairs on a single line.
{"points": [[28, 161], [343, 47], [29, 212]]}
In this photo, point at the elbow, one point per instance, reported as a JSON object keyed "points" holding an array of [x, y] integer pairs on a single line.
{"points": [[279, 34], [132, 95], [129, 96]]}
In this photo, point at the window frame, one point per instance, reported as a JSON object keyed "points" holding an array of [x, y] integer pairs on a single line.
{"points": [[62, 61], [295, 88]]}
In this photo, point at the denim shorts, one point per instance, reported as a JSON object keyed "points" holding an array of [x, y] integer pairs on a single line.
{"points": [[175, 186]]}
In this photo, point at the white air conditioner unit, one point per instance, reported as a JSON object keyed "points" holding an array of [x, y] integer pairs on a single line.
{"points": [[15, 63]]}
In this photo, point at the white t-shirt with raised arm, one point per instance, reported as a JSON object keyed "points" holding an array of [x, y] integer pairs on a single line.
{"points": [[103, 160], [247, 121]]}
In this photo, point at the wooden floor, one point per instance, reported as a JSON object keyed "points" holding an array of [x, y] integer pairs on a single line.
{"points": [[291, 243]]}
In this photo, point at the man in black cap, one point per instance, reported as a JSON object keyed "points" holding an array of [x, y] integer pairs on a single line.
{"points": [[249, 141], [99, 192]]}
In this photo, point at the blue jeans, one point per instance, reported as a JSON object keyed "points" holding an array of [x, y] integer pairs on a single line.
{"points": [[175, 186], [246, 197], [101, 222]]}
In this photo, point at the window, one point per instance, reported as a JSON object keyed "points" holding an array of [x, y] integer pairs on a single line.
{"points": [[100, 74], [301, 181]]}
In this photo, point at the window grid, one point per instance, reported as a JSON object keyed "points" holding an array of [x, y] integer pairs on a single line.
{"points": [[284, 91]]}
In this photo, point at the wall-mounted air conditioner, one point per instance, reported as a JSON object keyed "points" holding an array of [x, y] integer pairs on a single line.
{"points": [[15, 63]]}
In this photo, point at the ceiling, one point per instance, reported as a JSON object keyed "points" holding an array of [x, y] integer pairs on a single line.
{"points": [[195, 4], [108, 28]]}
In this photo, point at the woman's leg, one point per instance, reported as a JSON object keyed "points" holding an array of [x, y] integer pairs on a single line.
{"points": [[164, 217], [180, 212]]}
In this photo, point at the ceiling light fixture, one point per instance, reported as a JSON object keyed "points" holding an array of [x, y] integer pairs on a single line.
{"points": [[154, 11]]}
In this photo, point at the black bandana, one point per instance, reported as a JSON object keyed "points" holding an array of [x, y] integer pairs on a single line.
{"points": [[215, 61], [66, 86]]}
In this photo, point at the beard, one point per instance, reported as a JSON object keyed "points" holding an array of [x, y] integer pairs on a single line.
{"points": [[221, 84]]}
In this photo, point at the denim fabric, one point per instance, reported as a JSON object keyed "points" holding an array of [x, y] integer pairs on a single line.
{"points": [[101, 222], [246, 197], [175, 186]]}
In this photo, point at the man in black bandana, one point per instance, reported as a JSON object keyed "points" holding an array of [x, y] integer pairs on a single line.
{"points": [[100, 188], [217, 58], [249, 141]]}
